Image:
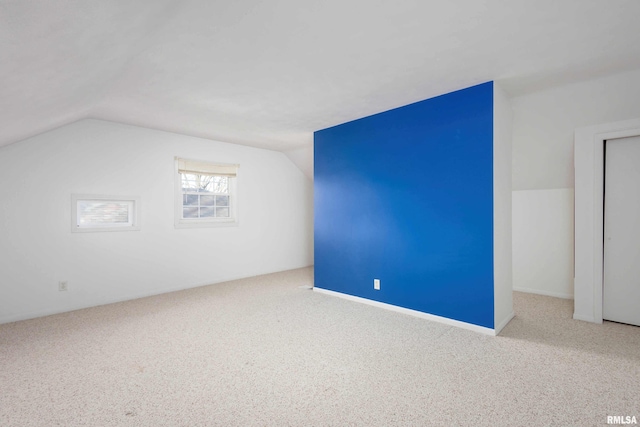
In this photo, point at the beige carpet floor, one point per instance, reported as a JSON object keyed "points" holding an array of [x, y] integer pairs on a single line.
{"points": [[264, 351]]}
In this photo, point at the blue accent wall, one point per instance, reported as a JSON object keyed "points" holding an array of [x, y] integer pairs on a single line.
{"points": [[406, 196]]}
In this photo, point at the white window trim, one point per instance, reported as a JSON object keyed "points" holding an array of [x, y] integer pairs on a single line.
{"points": [[589, 214], [134, 200], [232, 221]]}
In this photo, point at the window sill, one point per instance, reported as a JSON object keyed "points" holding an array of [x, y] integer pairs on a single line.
{"points": [[205, 224], [100, 229]]}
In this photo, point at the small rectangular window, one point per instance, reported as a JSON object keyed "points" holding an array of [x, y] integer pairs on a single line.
{"points": [[206, 194], [202, 195], [104, 213]]}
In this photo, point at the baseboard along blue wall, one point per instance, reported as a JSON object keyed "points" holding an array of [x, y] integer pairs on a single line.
{"points": [[406, 196]]}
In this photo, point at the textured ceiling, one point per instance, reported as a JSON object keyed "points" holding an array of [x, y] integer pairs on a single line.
{"points": [[269, 73]]}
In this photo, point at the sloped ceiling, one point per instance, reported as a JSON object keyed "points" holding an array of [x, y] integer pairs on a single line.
{"points": [[269, 73]]}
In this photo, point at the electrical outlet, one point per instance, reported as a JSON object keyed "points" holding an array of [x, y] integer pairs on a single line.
{"points": [[62, 286], [376, 284]]}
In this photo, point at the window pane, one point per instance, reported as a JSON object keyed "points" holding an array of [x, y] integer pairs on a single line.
{"points": [[222, 212], [206, 200], [190, 200], [206, 212], [190, 212], [220, 184], [196, 183], [103, 212], [222, 200], [205, 183], [189, 182]]}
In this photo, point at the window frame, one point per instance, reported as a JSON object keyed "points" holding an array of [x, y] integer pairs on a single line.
{"points": [[180, 222], [132, 225]]}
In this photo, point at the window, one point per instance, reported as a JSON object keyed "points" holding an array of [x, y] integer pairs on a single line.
{"points": [[205, 194], [104, 213]]}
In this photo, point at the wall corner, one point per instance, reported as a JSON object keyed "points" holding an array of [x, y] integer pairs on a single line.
{"points": [[502, 192]]}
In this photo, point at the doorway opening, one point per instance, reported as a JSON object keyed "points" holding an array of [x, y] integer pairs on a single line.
{"points": [[589, 214]]}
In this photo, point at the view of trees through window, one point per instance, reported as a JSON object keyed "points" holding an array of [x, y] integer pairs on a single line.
{"points": [[205, 196], [103, 212]]}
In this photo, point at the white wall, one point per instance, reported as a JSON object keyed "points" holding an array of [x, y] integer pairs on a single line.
{"points": [[37, 248], [543, 135], [544, 124], [303, 158], [543, 242], [502, 253]]}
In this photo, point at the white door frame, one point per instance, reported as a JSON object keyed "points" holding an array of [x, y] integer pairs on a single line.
{"points": [[589, 214]]}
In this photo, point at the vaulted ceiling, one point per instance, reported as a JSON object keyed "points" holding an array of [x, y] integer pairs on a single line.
{"points": [[269, 73]]}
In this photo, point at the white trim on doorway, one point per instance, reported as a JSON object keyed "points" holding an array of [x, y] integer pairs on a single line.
{"points": [[589, 213]]}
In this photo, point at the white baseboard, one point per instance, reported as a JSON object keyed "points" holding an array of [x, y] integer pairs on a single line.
{"points": [[415, 313], [35, 314], [545, 293], [584, 318], [106, 301], [133, 296]]}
